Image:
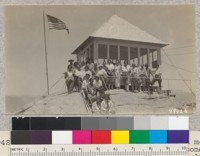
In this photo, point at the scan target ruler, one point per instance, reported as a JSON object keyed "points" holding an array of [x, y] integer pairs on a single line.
{"points": [[100, 136], [190, 149]]}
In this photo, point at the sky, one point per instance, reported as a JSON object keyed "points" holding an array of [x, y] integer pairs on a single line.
{"points": [[25, 50]]}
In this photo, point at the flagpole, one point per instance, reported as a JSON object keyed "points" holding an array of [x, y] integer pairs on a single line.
{"points": [[46, 59]]}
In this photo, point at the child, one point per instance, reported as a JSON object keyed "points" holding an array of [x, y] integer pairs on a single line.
{"points": [[107, 104]]}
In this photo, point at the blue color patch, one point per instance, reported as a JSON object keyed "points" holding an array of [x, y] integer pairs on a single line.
{"points": [[158, 137]]}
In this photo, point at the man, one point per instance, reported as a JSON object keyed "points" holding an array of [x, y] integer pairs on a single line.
{"points": [[157, 77], [87, 71], [99, 86], [86, 81]]}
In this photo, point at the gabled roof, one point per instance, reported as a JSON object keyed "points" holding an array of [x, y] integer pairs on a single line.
{"points": [[118, 28]]}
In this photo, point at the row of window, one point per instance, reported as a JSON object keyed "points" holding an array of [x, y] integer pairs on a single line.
{"points": [[123, 54]]}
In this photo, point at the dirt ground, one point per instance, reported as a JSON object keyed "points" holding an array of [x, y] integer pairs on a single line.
{"points": [[124, 103]]}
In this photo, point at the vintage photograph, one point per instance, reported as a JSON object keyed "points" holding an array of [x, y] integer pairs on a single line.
{"points": [[100, 59]]}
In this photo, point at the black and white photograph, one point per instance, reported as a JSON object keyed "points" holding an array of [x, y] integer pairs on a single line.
{"points": [[100, 59]]}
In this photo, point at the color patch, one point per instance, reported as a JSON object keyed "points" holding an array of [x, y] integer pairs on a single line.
{"points": [[82, 137], [20, 123], [158, 137], [72, 123], [89, 123], [178, 136], [125, 123], [159, 123], [142, 123], [139, 137], [120, 137], [41, 137], [107, 123], [179, 123], [101, 137], [61, 137], [20, 137]]}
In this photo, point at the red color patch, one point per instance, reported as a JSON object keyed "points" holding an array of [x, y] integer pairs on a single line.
{"points": [[101, 137]]}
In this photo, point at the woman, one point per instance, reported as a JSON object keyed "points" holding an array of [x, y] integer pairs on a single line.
{"points": [[111, 74], [118, 71], [78, 78], [126, 75], [134, 77], [69, 76], [143, 77]]}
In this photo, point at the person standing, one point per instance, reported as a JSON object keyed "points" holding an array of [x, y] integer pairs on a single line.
{"points": [[111, 74], [148, 79], [69, 76], [143, 77], [78, 78], [102, 75], [118, 71], [126, 75], [134, 78], [157, 77]]}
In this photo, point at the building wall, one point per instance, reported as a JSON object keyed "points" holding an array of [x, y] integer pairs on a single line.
{"points": [[100, 49], [133, 52]]}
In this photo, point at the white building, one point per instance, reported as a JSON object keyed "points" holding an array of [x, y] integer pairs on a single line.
{"points": [[117, 39]]}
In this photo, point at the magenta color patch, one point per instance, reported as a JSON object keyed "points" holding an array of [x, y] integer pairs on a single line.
{"points": [[82, 137]]}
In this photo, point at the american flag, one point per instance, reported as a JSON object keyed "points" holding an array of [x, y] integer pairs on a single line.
{"points": [[55, 23]]}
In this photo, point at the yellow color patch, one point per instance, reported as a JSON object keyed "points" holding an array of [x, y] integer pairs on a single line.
{"points": [[120, 137]]}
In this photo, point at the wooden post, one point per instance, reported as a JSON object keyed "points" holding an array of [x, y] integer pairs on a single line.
{"points": [[96, 51], [108, 53], [159, 56], [148, 55], [118, 52], [138, 57], [129, 55]]}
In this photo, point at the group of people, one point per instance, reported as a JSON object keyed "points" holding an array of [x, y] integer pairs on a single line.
{"points": [[94, 79]]}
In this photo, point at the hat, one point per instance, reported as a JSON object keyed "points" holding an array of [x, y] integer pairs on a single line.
{"points": [[88, 73], [71, 61]]}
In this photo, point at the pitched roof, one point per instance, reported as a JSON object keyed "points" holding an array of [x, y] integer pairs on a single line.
{"points": [[118, 28]]}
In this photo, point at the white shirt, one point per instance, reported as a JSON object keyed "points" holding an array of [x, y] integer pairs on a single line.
{"points": [[85, 84], [88, 72], [79, 73], [110, 66], [158, 72], [102, 72], [98, 84], [126, 69]]}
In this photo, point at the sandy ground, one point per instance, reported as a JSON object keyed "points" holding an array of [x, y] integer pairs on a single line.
{"points": [[142, 103], [57, 104], [124, 103]]}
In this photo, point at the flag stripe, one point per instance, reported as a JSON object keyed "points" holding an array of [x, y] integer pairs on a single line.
{"points": [[55, 23]]}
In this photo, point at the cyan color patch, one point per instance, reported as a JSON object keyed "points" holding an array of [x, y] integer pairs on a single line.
{"points": [[158, 137]]}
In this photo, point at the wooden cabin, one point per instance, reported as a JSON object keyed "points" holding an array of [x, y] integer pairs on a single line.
{"points": [[117, 39]]}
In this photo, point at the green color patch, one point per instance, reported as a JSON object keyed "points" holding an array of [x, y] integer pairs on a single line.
{"points": [[139, 137]]}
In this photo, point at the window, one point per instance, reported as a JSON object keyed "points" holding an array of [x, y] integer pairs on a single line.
{"points": [[143, 55], [92, 51], [113, 50], [102, 51], [134, 55], [123, 53]]}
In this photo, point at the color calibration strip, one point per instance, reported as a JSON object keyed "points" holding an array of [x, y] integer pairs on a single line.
{"points": [[102, 123], [100, 130], [101, 137]]}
